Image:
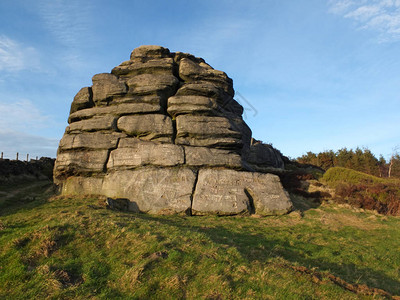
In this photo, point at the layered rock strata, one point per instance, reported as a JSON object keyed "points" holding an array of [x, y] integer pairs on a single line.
{"points": [[163, 131]]}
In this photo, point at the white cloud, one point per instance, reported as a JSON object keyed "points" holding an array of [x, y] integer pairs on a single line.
{"points": [[15, 56], [22, 115], [12, 142], [20, 124], [339, 7], [382, 16], [363, 13]]}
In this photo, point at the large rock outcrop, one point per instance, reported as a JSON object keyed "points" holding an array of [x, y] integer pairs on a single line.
{"points": [[163, 131]]}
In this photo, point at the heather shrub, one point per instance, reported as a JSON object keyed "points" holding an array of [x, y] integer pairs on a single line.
{"points": [[384, 198]]}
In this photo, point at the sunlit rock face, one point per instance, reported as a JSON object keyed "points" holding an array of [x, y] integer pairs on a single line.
{"points": [[164, 132]]}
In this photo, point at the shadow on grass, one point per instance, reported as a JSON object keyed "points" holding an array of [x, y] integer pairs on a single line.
{"points": [[258, 247], [25, 196], [303, 204]]}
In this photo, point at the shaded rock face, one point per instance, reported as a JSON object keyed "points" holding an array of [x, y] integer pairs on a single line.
{"points": [[263, 157], [162, 130]]}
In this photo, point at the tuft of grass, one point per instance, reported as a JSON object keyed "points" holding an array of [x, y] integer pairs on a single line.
{"points": [[75, 248]]}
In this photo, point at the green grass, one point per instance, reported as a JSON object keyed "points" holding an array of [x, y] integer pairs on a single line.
{"points": [[75, 248], [337, 175], [21, 194]]}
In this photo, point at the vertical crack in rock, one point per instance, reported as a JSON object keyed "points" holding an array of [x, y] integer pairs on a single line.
{"points": [[175, 68], [166, 105], [114, 125], [109, 155], [194, 190], [252, 208], [174, 130], [160, 128], [184, 156]]}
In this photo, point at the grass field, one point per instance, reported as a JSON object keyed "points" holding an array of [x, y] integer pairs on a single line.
{"points": [[74, 248]]}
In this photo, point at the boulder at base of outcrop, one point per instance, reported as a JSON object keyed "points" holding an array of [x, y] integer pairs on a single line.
{"points": [[171, 191], [149, 190], [229, 192], [152, 190]]}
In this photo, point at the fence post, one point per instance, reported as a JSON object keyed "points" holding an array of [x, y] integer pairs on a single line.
{"points": [[2, 155], [17, 155]]}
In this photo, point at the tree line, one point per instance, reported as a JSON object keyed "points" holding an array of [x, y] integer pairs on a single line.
{"points": [[362, 160]]}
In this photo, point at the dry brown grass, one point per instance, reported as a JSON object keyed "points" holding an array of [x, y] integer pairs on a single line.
{"points": [[337, 222]]}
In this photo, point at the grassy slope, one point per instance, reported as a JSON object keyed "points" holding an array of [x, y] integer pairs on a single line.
{"points": [[339, 175], [75, 248], [363, 190]]}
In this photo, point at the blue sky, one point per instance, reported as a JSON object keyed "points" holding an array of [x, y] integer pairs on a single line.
{"points": [[312, 75]]}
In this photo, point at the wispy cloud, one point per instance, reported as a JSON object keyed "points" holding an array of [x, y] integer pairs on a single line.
{"points": [[15, 56], [22, 115], [68, 21], [70, 24], [382, 16], [12, 142], [339, 6], [20, 125]]}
